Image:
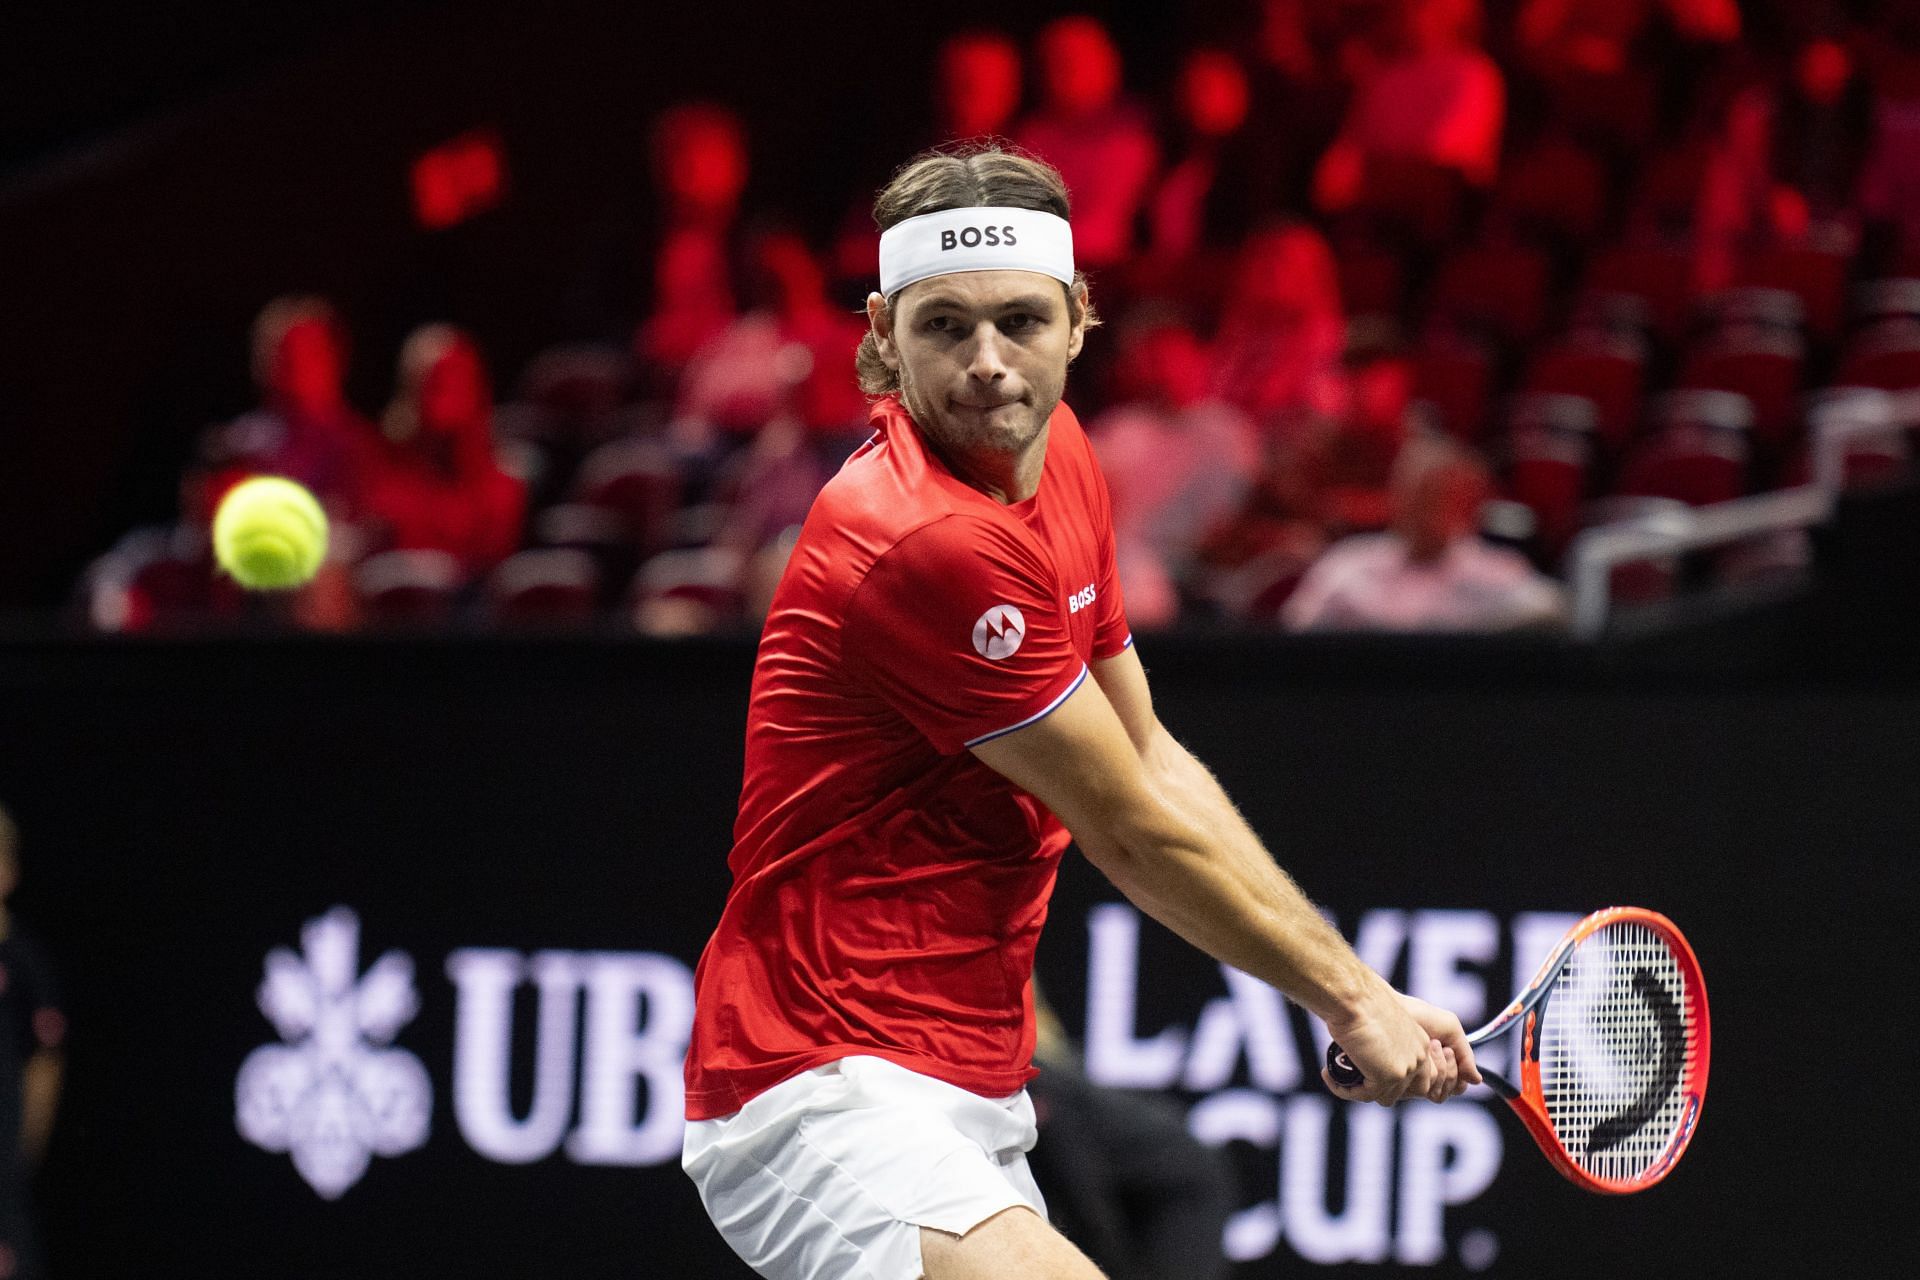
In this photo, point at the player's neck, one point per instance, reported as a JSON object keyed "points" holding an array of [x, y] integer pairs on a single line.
{"points": [[1005, 477]]}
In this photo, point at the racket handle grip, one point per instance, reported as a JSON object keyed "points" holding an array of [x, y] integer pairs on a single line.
{"points": [[1340, 1068]]}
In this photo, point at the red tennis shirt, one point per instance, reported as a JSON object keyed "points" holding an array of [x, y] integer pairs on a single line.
{"points": [[888, 888]]}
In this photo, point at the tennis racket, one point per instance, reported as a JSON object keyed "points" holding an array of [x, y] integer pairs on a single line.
{"points": [[1614, 1041]]}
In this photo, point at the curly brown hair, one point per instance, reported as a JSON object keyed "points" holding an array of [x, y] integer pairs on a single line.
{"points": [[976, 175]]}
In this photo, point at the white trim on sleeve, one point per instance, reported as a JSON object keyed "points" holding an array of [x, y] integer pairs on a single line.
{"points": [[1041, 714]]}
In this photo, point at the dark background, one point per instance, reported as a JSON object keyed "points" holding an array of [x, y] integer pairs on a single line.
{"points": [[165, 168], [187, 806]]}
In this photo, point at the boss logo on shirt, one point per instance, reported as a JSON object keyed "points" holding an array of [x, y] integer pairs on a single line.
{"points": [[974, 237], [1080, 599], [999, 632]]}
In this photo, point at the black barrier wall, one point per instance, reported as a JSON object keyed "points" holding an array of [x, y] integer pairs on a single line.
{"points": [[378, 954]]}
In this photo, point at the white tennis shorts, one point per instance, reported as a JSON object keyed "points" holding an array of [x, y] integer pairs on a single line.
{"points": [[831, 1175]]}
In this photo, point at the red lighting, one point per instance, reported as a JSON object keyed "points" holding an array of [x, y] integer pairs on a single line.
{"points": [[458, 179]]}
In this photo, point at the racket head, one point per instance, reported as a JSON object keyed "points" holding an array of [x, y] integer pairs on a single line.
{"points": [[1614, 1050]]}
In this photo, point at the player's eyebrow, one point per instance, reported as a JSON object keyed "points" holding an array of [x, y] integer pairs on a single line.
{"points": [[1025, 302]]}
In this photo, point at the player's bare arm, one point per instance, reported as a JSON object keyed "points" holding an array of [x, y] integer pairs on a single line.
{"points": [[1157, 824]]}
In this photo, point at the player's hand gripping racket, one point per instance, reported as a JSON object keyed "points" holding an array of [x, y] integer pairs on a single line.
{"points": [[1612, 1051]]}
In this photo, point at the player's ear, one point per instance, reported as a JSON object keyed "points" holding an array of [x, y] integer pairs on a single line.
{"points": [[1079, 307], [880, 319]]}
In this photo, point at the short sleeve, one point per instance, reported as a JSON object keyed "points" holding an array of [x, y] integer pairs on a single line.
{"points": [[959, 627], [1111, 635]]}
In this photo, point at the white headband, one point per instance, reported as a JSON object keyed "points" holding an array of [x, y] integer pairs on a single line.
{"points": [[978, 239]]}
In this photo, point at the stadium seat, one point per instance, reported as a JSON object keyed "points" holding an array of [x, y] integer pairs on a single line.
{"points": [[579, 390], [636, 481], [1608, 369], [1411, 199], [700, 588], [152, 579], [1699, 452], [407, 588], [1638, 581], [544, 586], [1754, 304], [1761, 362], [1556, 188], [1815, 270], [1885, 355], [1454, 375], [1549, 461], [1372, 276], [1892, 299], [1502, 288], [1659, 275], [600, 533]]}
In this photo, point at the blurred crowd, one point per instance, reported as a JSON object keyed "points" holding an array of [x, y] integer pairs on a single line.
{"points": [[1401, 295]]}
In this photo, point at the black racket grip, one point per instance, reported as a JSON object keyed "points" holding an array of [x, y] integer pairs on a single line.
{"points": [[1340, 1068]]}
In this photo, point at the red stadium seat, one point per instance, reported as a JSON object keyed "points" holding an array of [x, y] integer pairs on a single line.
{"points": [[1455, 376], [1754, 304], [578, 389], [637, 481], [1699, 453], [408, 588], [1502, 288], [1372, 277], [1893, 299], [1638, 581], [1815, 271], [1557, 188], [601, 533], [153, 579], [1607, 369], [1411, 199], [1549, 461], [544, 586], [1885, 355], [1763, 364], [1660, 275]]}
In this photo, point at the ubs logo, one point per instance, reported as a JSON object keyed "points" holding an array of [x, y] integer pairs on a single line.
{"points": [[974, 237]]}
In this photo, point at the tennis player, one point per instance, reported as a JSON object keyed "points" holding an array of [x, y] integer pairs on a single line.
{"points": [[946, 688]]}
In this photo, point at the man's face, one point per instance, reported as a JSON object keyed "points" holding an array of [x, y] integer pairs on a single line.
{"points": [[982, 355]]}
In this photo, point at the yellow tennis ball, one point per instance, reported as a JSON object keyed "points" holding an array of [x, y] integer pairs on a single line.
{"points": [[270, 534]]}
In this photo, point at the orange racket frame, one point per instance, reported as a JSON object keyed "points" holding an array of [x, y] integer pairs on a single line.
{"points": [[1528, 1099]]}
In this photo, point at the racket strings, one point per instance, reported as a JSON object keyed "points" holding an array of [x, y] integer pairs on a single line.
{"points": [[1616, 1045]]}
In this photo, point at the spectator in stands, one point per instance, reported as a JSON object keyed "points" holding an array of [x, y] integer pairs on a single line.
{"points": [[1434, 97], [439, 487], [304, 427], [699, 154], [788, 356], [1177, 460], [1211, 100], [976, 91], [1596, 37], [32, 1032], [1890, 177], [1296, 100], [1343, 462], [1276, 355], [1781, 156], [1430, 571], [1103, 145], [978, 84]]}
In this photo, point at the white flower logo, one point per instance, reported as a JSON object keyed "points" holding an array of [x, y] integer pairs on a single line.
{"points": [[334, 1094]]}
